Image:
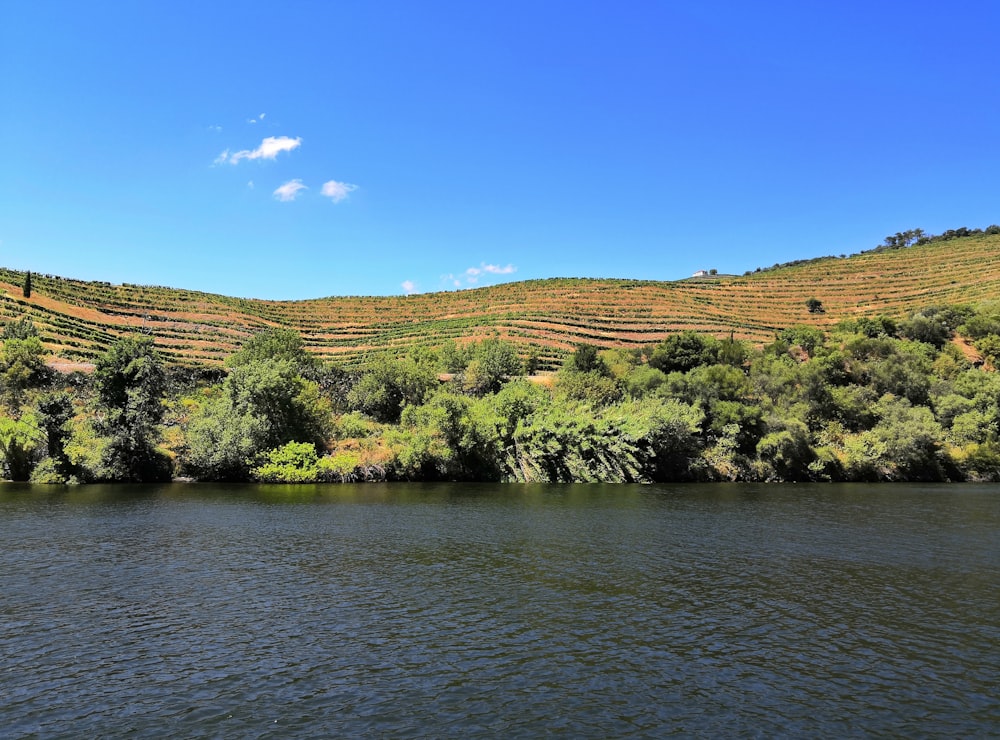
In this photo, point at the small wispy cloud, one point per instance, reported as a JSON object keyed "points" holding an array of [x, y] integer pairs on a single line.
{"points": [[409, 287], [497, 270], [289, 191], [471, 276], [215, 129], [269, 148], [260, 117], [250, 184], [337, 191]]}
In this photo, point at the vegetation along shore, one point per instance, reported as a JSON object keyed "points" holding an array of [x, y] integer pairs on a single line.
{"points": [[876, 366]]}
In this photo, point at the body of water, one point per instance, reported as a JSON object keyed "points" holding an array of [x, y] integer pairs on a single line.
{"points": [[514, 611]]}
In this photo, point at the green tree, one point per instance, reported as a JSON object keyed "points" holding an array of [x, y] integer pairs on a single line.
{"points": [[532, 363], [654, 439], [683, 351], [643, 380], [905, 444], [26, 288], [450, 437], [130, 382], [876, 327], [808, 338], [815, 305], [494, 363], [54, 412], [595, 388], [263, 405], [989, 348], [902, 239], [387, 385], [455, 358], [22, 366], [23, 328], [935, 324], [787, 451], [585, 359], [277, 344], [21, 447]]}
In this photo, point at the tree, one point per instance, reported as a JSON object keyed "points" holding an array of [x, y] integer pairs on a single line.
{"points": [[902, 239], [989, 348], [806, 337], [653, 439], [130, 384], [23, 328], [532, 362], [387, 385], [905, 444], [21, 446], [494, 363], [264, 405], [26, 289], [599, 389], [878, 326], [450, 437], [22, 366], [585, 359], [683, 351], [454, 359], [815, 306], [277, 344], [55, 410]]}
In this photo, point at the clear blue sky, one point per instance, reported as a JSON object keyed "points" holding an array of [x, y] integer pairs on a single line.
{"points": [[306, 149]]}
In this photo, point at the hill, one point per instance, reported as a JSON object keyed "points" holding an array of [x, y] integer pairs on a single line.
{"points": [[78, 319]]}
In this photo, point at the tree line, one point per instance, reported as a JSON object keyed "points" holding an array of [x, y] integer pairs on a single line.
{"points": [[899, 240], [872, 399]]}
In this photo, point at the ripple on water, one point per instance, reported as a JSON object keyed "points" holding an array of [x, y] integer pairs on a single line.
{"points": [[574, 611]]}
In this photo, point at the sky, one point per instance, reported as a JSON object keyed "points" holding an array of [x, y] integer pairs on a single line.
{"points": [[309, 149]]}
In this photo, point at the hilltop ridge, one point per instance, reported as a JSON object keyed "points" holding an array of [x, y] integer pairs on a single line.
{"points": [[78, 319]]}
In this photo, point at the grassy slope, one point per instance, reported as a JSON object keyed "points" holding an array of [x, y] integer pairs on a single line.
{"points": [[77, 319]]}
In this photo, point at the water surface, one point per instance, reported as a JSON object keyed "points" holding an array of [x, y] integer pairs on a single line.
{"points": [[515, 611]]}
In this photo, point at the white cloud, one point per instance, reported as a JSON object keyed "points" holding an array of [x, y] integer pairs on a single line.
{"points": [[337, 191], [471, 276], [250, 184], [290, 190], [269, 148], [261, 116], [409, 287], [215, 129], [497, 270]]}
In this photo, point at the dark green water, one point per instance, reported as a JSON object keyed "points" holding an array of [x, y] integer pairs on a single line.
{"points": [[458, 611]]}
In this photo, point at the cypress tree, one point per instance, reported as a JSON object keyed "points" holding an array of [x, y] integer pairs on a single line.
{"points": [[27, 285]]}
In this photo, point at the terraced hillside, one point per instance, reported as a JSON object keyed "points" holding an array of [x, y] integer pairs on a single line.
{"points": [[78, 319]]}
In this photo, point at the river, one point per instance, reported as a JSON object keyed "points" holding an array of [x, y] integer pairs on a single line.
{"points": [[499, 610]]}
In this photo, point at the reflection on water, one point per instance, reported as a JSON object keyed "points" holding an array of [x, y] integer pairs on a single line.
{"points": [[456, 610]]}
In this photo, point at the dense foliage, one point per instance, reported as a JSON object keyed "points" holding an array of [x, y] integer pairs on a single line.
{"points": [[872, 399]]}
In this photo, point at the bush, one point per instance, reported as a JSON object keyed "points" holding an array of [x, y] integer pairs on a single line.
{"points": [[684, 351], [295, 462], [49, 472]]}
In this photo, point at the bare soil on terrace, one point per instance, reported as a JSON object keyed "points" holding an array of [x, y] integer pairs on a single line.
{"points": [[77, 319]]}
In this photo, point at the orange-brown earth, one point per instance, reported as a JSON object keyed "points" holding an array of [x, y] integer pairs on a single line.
{"points": [[79, 319]]}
